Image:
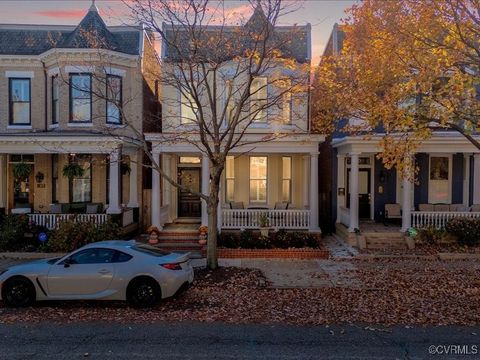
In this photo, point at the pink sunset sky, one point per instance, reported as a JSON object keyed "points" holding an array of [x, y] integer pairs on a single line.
{"points": [[320, 14]]}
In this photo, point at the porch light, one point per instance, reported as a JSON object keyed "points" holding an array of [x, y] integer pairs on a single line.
{"points": [[39, 177]]}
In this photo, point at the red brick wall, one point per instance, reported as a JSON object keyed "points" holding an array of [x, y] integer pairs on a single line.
{"points": [[273, 253]]}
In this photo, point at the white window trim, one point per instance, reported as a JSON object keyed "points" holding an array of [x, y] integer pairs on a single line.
{"points": [[19, 74], [18, 127], [116, 72], [53, 126], [80, 125], [450, 175]]}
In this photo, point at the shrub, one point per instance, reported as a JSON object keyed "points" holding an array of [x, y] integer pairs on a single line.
{"points": [[247, 239], [466, 230], [430, 235], [70, 236], [12, 233], [281, 239], [228, 240]]}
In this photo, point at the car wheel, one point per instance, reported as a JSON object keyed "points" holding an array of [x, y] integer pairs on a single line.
{"points": [[143, 293], [18, 292]]}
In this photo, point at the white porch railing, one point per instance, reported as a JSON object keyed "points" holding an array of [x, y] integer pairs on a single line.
{"points": [[438, 219], [344, 216], [52, 221], [279, 219]]}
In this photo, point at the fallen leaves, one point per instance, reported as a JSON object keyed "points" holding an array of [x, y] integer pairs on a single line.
{"points": [[387, 292]]}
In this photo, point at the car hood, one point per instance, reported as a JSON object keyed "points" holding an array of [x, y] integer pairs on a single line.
{"points": [[37, 266]]}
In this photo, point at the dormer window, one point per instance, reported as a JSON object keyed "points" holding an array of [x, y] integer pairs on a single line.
{"points": [[114, 99], [258, 100], [19, 96], [80, 98]]}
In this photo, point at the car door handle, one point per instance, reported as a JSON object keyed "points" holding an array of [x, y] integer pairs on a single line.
{"points": [[104, 271]]}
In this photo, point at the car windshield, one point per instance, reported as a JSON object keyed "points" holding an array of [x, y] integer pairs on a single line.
{"points": [[150, 250]]}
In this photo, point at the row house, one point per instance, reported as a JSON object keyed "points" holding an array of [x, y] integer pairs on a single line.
{"points": [[74, 97], [360, 193]]}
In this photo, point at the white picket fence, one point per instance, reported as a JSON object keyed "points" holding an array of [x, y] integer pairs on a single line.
{"points": [[438, 219], [52, 221], [279, 219]]}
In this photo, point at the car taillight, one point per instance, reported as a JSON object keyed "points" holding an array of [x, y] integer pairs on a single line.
{"points": [[172, 266]]}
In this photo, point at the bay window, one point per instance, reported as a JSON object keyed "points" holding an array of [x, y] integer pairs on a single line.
{"points": [[258, 100], [80, 98], [19, 101], [114, 99], [258, 179]]}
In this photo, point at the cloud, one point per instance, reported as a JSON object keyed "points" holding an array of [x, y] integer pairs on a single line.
{"points": [[65, 14]]}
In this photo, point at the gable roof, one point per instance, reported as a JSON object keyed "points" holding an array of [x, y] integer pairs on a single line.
{"points": [[226, 42], [92, 32]]}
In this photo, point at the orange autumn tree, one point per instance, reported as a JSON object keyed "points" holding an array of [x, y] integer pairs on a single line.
{"points": [[410, 67]]}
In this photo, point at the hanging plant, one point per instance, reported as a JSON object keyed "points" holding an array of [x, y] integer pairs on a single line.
{"points": [[22, 170], [73, 170], [125, 168]]}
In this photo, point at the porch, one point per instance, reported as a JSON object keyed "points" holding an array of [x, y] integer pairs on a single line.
{"points": [[448, 184], [270, 183], [106, 186]]}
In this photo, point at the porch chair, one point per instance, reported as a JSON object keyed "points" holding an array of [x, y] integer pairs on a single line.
{"points": [[56, 208], [236, 205], [91, 209], [441, 207], [281, 205], [392, 212], [475, 208], [458, 207], [425, 207]]}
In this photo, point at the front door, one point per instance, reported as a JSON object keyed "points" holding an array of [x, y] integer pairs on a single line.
{"points": [[364, 196], [189, 204]]}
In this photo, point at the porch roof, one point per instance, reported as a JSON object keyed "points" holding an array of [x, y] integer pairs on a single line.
{"points": [[48, 143], [440, 142], [251, 143]]}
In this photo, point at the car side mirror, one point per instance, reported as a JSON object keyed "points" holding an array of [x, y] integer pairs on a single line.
{"points": [[67, 262]]}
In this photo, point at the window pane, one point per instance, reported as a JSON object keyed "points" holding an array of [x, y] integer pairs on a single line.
{"points": [[287, 167], [258, 167], [439, 168], [81, 86], [21, 113], [188, 109], [81, 110], [114, 88], [258, 190], [20, 90], [230, 167], [286, 190], [259, 99], [81, 187], [230, 190], [113, 113]]}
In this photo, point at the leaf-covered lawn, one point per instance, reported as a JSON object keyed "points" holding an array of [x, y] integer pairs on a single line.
{"points": [[388, 292]]}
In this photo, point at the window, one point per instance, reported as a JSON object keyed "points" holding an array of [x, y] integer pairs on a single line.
{"points": [[287, 104], [439, 184], [286, 179], [55, 104], [231, 103], [55, 178], [80, 98], [19, 96], [258, 179], [190, 160], [114, 99], [230, 178], [120, 257], [92, 256], [188, 109], [81, 187], [258, 100]]}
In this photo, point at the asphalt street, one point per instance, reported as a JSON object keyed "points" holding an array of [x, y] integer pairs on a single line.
{"points": [[221, 341]]}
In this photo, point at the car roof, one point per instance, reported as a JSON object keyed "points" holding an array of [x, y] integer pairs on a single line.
{"points": [[112, 244]]}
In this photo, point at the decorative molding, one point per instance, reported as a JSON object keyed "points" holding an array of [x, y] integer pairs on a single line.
{"points": [[53, 71], [115, 71], [19, 74], [79, 69]]}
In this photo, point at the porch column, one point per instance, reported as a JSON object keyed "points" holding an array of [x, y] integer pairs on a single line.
{"points": [[353, 192], [166, 198], [340, 184], [3, 182], [476, 178], [407, 184], [205, 186], [114, 190], [133, 200], [314, 192], [155, 206], [466, 179]]}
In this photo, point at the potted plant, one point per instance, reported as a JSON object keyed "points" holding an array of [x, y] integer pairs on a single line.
{"points": [[263, 222], [203, 234], [73, 170], [361, 240], [22, 170], [153, 233], [410, 238]]}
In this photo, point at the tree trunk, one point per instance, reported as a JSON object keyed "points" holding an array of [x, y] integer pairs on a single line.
{"points": [[212, 210]]}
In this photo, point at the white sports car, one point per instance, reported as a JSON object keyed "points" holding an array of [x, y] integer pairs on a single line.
{"points": [[108, 270]]}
